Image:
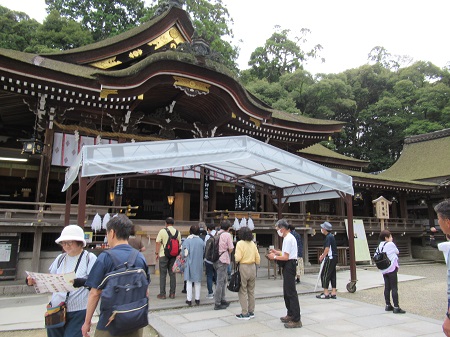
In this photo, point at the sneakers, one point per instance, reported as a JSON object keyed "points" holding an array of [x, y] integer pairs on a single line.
{"points": [[161, 296], [333, 297], [189, 303], [220, 307], [286, 319], [197, 302], [293, 325], [397, 310], [183, 291], [323, 296], [245, 317], [225, 303], [251, 314], [210, 295], [388, 307]]}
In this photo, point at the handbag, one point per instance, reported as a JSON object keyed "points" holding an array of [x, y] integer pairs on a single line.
{"points": [[381, 259], [55, 317], [179, 264], [235, 280]]}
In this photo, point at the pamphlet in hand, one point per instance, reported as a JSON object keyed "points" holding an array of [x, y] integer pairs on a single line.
{"points": [[52, 283]]}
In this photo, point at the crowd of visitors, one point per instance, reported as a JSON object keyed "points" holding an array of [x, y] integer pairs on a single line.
{"points": [[230, 246]]}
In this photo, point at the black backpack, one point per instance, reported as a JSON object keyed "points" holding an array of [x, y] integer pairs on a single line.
{"points": [[172, 248], [124, 296], [212, 248], [381, 259]]}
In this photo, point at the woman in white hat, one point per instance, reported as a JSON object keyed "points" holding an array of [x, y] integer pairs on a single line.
{"points": [[74, 259]]}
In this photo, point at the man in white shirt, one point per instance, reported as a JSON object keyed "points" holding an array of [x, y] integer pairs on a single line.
{"points": [[288, 259]]}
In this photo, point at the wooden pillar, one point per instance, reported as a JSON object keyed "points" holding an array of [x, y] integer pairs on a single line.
{"points": [[340, 207], [431, 213], [36, 249], [82, 201], [305, 248], [403, 206], [45, 166]]}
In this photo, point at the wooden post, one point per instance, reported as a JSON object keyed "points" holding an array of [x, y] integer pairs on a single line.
{"points": [[45, 166], [36, 249]]}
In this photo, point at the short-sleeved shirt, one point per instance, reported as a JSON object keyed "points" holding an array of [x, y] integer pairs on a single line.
{"points": [[163, 237], [330, 241], [290, 246], [65, 264], [298, 237], [225, 243], [105, 265]]}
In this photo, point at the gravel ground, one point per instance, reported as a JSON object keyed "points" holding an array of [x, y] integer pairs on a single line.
{"points": [[425, 297]]}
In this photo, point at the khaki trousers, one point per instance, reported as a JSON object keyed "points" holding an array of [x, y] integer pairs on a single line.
{"points": [[247, 289]]}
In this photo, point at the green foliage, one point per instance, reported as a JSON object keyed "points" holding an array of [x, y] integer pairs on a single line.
{"points": [[17, 30], [104, 18], [280, 55], [58, 33]]}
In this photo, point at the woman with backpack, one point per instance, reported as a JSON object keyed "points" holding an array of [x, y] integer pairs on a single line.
{"points": [[390, 273], [74, 258], [192, 252]]}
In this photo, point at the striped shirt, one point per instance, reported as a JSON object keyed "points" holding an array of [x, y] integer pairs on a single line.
{"points": [[77, 298]]}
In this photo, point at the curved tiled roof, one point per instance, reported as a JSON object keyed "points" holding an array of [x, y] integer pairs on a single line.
{"points": [[320, 150], [423, 157]]}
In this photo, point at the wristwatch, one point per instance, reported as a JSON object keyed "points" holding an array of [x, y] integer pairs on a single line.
{"points": [[447, 314]]}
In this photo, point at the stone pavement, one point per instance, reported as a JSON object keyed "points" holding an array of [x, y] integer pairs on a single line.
{"points": [[172, 317]]}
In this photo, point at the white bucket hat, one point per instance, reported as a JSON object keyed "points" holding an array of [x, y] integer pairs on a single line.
{"points": [[72, 233]]}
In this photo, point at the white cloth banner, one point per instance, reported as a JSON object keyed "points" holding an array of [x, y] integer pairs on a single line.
{"points": [[66, 147]]}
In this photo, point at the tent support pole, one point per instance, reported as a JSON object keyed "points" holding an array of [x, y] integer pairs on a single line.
{"points": [[68, 202], [351, 286], [82, 201]]}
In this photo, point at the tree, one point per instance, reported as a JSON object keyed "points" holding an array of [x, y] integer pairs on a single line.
{"points": [[281, 55], [104, 18], [17, 30], [58, 33], [380, 55]]}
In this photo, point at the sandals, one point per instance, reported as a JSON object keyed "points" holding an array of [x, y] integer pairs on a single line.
{"points": [[323, 296]]}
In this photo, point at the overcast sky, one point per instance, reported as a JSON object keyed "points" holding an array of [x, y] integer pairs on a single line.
{"points": [[346, 29]]}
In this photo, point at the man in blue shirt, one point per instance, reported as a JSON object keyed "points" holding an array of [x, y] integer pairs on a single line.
{"points": [[117, 231]]}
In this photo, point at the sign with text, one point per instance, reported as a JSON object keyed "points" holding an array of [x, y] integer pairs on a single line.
{"points": [[245, 198], [206, 185]]}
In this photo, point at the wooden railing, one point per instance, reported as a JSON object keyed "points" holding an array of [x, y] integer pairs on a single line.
{"points": [[266, 220], [52, 214]]}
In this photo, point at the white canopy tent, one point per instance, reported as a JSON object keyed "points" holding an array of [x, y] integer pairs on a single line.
{"points": [[233, 158], [240, 159]]}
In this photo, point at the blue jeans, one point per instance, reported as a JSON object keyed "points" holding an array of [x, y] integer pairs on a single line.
{"points": [[211, 276], [72, 328]]}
